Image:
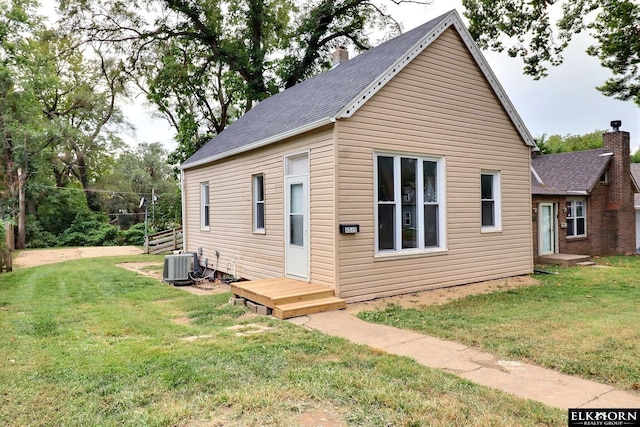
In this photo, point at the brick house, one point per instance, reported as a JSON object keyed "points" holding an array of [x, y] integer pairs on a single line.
{"points": [[583, 201]]}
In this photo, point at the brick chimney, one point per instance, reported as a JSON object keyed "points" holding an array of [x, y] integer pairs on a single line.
{"points": [[620, 212], [340, 55]]}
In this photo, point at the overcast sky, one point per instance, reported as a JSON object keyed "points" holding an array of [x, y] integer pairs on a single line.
{"points": [[565, 102]]}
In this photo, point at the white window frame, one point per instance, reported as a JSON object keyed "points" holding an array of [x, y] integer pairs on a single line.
{"points": [[420, 203], [574, 218], [497, 201], [258, 179], [205, 206]]}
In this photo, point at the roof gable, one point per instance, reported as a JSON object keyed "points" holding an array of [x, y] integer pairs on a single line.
{"points": [[572, 173], [339, 93]]}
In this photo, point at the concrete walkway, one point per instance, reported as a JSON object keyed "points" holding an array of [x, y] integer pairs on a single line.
{"points": [[521, 379]]}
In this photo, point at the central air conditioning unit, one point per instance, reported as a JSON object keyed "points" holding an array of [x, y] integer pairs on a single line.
{"points": [[180, 269]]}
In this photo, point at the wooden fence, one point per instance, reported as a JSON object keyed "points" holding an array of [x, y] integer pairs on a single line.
{"points": [[163, 242], [6, 251]]}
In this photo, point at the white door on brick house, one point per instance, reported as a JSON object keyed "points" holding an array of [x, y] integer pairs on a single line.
{"points": [[547, 237], [296, 219]]}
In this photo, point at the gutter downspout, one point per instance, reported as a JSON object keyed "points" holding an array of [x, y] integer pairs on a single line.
{"points": [[183, 200]]}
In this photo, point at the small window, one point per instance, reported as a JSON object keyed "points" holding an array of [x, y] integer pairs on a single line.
{"points": [[604, 178], [204, 206], [258, 203], [490, 200], [407, 218], [576, 218]]}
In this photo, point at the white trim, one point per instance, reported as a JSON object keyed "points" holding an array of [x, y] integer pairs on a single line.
{"points": [[305, 179], [553, 222], [183, 199], [254, 204], [496, 183], [536, 176], [261, 143], [575, 218], [203, 217], [397, 203]]}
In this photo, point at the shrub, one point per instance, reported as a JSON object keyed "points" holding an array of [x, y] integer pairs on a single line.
{"points": [[133, 236], [89, 229]]}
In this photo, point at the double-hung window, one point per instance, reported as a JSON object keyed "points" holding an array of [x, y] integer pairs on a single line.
{"points": [[258, 203], [490, 200], [409, 201], [204, 206], [576, 218]]}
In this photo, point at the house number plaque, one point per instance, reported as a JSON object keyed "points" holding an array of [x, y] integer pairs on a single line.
{"points": [[349, 228]]}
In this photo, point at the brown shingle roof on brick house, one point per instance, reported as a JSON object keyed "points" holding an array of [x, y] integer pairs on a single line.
{"points": [[568, 174]]}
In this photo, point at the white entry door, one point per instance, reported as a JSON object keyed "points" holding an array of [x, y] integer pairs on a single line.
{"points": [[297, 226], [547, 229]]}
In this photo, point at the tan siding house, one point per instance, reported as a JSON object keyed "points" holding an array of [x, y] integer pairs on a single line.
{"points": [[403, 169]]}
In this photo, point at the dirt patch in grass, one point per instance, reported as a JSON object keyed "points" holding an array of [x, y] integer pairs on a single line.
{"points": [[154, 270], [443, 295], [35, 257], [320, 418], [185, 321]]}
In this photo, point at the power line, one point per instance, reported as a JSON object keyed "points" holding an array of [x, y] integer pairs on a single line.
{"points": [[97, 191]]}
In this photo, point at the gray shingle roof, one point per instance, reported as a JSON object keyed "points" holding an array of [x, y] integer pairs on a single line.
{"points": [[317, 98], [568, 173]]}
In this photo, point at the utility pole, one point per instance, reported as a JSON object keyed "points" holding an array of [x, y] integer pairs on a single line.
{"points": [[153, 206]]}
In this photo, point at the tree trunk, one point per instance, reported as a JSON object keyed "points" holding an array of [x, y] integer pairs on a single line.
{"points": [[22, 211]]}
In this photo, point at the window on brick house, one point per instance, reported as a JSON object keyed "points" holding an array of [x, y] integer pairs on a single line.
{"points": [[576, 218]]}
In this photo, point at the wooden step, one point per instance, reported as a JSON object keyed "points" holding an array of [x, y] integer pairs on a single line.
{"points": [[295, 309], [280, 291]]}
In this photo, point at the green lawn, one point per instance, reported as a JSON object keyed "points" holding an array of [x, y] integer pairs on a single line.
{"points": [[85, 343], [583, 321]]}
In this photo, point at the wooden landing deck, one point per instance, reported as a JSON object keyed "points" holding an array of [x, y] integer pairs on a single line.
{"points": [[288, 297]]}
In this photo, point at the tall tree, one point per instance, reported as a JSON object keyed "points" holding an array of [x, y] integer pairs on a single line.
{"points": [[525, 29], [79, 102], [205, 63], [21, 126]]}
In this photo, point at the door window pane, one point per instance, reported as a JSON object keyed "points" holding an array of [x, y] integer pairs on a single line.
{"points": [[296, 202], [296, 236], [547, 230]]}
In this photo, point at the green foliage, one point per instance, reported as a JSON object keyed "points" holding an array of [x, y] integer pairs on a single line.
{"points": [[89, 229], [37, 235], [132, 236], [532, 37], [563, 144], [635, 157]]}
